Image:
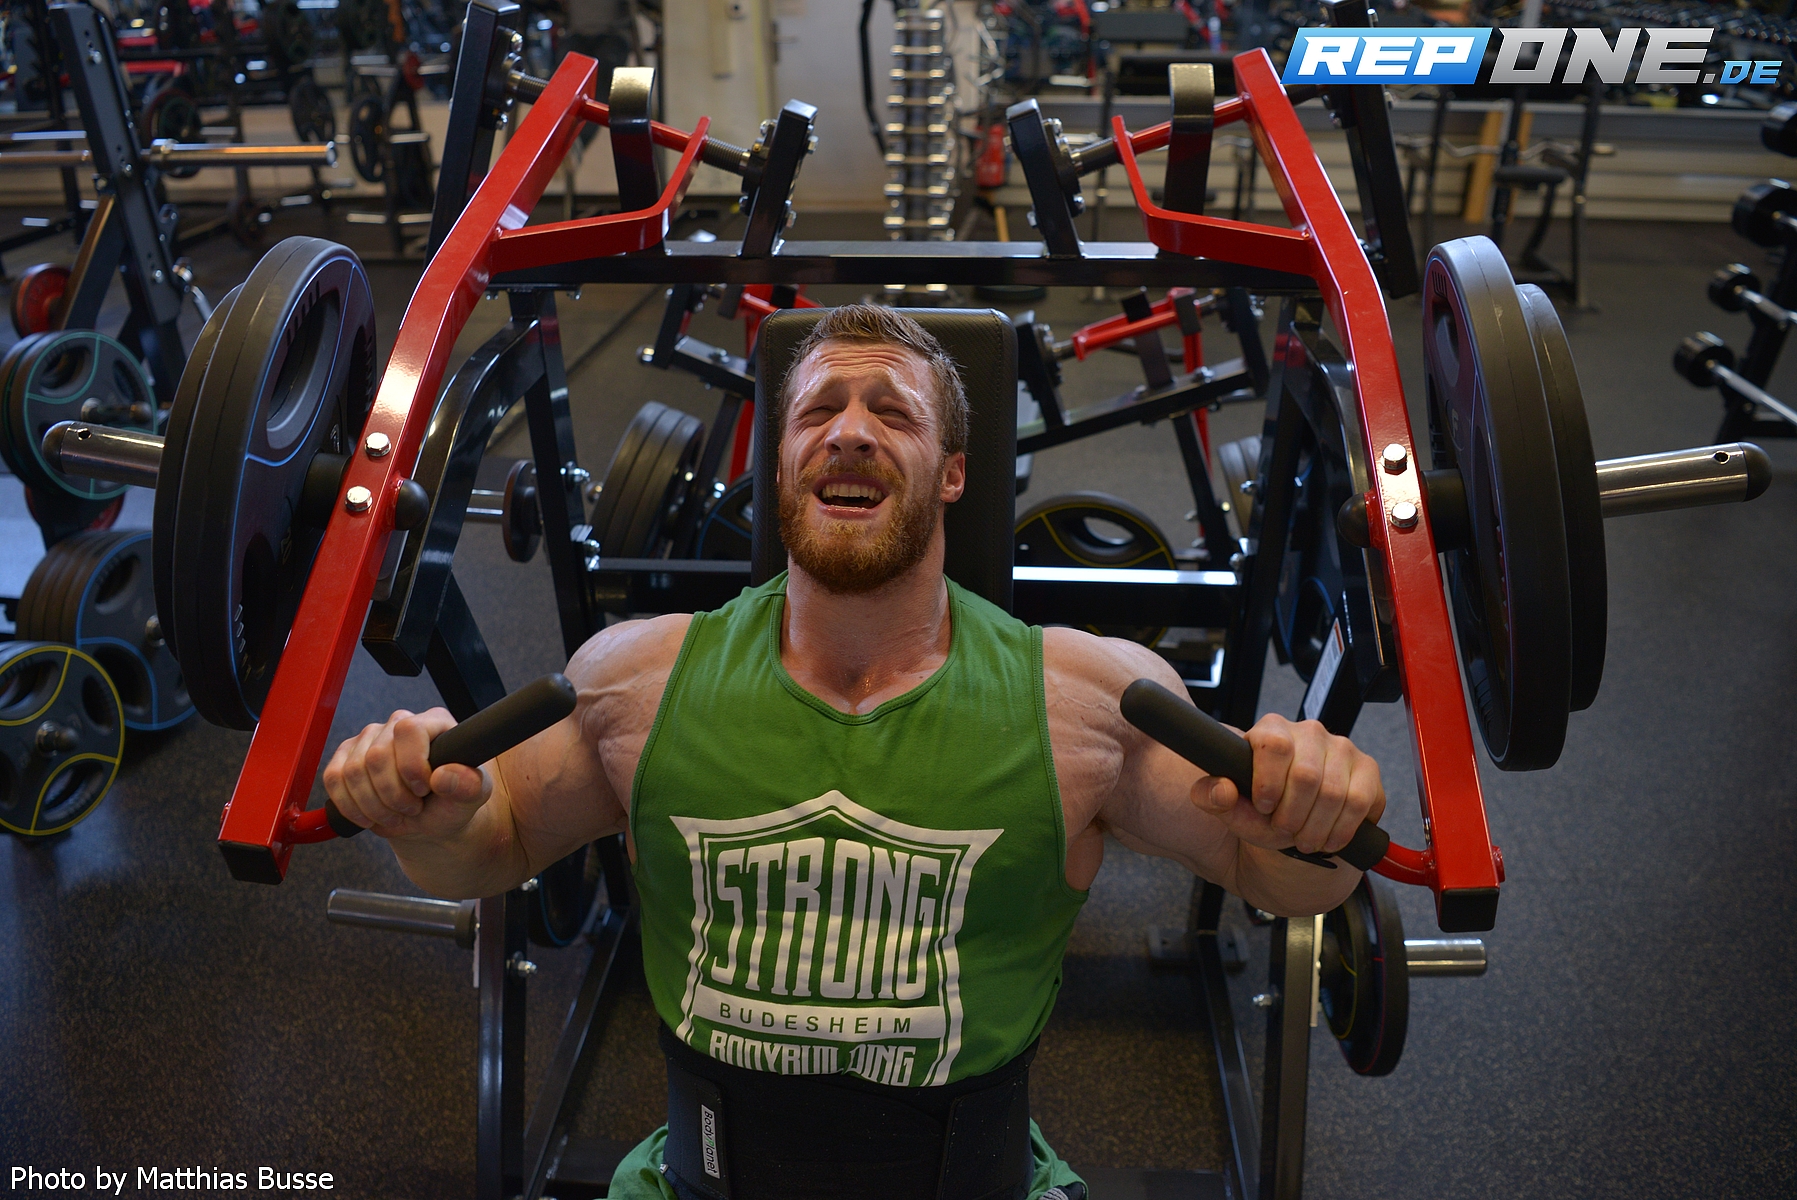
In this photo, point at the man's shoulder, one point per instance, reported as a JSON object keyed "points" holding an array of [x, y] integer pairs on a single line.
{"points": [[629, 648], [1074, 661]]}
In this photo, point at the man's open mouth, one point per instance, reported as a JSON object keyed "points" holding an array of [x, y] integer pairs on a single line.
{"points": [[850, 493]]}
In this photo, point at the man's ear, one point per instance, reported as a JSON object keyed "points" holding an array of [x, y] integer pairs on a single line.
{"points": [[954, 477]]}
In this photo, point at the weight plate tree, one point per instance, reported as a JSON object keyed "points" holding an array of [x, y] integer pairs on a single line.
{"points": [[646, 484], [290, 379], [71, 374], [94, 592], [1508, 584], [1091, 529], [61, 736]]}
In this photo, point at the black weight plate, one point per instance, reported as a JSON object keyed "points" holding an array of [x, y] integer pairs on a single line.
{"points": [[520, 517], [171, 115], [564, 895], [248, 220], [174, 452], [61, 737], [367, 133], [1488, 418], [1756, 212], [659, 446], [313, 118], [8, 364], [30, 626], [1091, 529], [74, 558], [74, 374], [1238, 463], [292, 376], [412, 177], [108, 607], [1581, 503], [729, 526], [673, 467], [1363, 978]]}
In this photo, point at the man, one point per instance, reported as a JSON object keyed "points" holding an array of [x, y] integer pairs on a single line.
{"points": [[864, 807]]}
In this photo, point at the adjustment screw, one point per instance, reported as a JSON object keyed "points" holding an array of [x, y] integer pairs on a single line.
{"points": [[377, 445], [358, 499], [1394, 459], [1403, 514]]}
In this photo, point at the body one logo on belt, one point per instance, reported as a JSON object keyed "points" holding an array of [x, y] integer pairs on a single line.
{"points": [[1389, 56]]}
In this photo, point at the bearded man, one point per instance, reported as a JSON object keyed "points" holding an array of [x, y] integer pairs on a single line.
{"points": [[864, 807]]}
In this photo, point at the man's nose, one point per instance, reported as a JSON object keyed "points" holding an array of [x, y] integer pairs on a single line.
{"points": [[852, 434]]}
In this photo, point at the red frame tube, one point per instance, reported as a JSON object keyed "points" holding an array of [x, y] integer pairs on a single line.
{"points": [[277, 777]]}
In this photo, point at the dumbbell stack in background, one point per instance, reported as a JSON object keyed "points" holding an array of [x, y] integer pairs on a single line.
{"points": [[1766, 215]]}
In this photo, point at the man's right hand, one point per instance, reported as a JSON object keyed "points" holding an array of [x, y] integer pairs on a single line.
{"points": [[382, 780]]}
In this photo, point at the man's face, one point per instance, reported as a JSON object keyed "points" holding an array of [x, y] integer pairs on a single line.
{"points": [[862, 474]]}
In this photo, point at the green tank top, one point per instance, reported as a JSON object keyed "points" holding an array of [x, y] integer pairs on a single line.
{"points": [[883, 894]]}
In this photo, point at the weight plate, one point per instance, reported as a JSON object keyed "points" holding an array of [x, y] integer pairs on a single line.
{"points": [[314, 120], [248, 220], [367, 133], [1581, 503], [61, 737], [292, 376], [729, 527], [35, 297], [1238, 462], [171, 115], [520, 518], [1488, 418], [108, 609], [646, 481], [8, 363], [1756, 213], [1363, 978], [564, 895], [174, 447], [73, 374], [1091, 529]]}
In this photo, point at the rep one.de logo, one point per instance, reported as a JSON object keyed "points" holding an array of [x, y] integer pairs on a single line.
{"points": [[1331, 56]]}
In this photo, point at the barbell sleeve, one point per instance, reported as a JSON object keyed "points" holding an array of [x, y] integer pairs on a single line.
{"points": [[164, 154], [1445, 956], [107, 452], [1727, 474], [1212, 746], [488, 733], [459, 920]]}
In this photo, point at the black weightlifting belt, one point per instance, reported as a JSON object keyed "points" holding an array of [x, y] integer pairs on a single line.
{"points": [[737, 1134]]}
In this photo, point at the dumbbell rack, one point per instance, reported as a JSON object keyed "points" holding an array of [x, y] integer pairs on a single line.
{"points": [[1766, 214]]}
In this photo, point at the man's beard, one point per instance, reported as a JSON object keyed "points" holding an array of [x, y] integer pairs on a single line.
{"points": [[838, 554]]}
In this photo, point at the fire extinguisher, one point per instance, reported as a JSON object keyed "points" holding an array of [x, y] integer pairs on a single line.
{"points": [[990, 171]]}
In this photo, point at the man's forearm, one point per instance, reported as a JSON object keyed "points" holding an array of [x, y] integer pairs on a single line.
{"points": [[483, 859], [1290, 887]]}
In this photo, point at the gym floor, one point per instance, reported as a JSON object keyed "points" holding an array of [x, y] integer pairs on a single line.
{"points": [[1631, 1038]]}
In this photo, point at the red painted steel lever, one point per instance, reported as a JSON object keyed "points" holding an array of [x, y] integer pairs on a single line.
{"points": [[1322, 243]]}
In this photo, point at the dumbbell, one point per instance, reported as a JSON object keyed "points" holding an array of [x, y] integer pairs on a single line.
{"points": [[1766, 213], [1778, 132], [1736, 289], [1706, 360]]}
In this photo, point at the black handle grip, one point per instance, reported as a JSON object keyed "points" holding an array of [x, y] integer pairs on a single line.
{"points": [[1212, 746], [488, 733]]}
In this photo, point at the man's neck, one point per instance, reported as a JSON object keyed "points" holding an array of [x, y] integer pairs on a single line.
{"points": [[856, 652]]}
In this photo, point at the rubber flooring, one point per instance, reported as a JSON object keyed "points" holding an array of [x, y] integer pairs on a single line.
{"points": [[1631, 1038]]}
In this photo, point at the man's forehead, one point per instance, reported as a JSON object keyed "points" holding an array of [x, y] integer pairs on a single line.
{"points": [[840, 360]]}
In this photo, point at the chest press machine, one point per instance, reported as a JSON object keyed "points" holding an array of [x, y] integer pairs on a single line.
{"points": [[281, 435]]}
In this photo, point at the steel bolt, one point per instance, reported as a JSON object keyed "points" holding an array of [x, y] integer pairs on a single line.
{"points": [[1395, 458], [358, 499], [522, 967], [529, 885], [93, 56], [53, 738], [157, 275], [1266, 999], [1403, 514], [153, 630], [377, 445]]}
